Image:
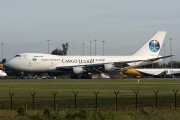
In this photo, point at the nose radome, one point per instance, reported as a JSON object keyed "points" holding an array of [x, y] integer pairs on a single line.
{"points": [[11, 64], [7, 63]]}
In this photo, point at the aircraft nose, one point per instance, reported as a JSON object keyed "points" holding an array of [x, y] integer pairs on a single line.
{"points": [[8, 64], [13, 64]]}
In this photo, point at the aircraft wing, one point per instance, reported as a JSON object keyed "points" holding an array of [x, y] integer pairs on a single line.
{"points": [[83, 66], [125, 63], [100, 65], [116, 64], [154, 59]]}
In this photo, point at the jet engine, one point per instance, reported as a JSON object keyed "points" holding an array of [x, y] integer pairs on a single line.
{"points": [[109, 67], [77, 70]]}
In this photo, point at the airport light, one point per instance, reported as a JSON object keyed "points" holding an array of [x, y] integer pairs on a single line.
{"points": [[83, 49], [90, 47], [95, 46], [103, 48], [171, 51], [162, 55], [48, 46], [164, 58]]}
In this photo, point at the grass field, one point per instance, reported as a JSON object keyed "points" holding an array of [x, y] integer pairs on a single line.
{"points": [[21, 91]]}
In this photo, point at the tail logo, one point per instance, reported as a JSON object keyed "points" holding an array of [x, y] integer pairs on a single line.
{"points": [[154, 45]]}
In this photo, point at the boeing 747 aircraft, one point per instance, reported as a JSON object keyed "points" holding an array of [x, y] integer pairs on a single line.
{"points": [[85, 65]]}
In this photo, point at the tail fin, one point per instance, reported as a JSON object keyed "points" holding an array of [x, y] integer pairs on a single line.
{"points": [[3, 61], [153, 46], [2, 64]]}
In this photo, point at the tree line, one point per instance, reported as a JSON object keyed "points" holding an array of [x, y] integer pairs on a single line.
{"points": [[62, 51], [175, 64]]}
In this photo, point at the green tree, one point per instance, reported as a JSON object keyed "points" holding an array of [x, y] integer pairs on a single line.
{"points": [[175, 64], [65, 48], [62, 51], [55, 52]]}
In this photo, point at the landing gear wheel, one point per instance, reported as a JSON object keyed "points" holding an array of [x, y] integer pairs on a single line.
{"points": [[74, 77]]}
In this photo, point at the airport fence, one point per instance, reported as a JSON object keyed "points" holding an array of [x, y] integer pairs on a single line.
{"points": [[97, 100]]}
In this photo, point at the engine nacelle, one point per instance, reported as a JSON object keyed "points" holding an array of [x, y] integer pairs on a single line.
{"points": [[109, 67], [78, 70]]}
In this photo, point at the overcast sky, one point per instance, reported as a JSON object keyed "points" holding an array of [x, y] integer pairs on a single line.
{"points": [[124, 25]]}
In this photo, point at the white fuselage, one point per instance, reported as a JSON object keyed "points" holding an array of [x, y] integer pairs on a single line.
{"points": [[155, 72], [37, 62]]}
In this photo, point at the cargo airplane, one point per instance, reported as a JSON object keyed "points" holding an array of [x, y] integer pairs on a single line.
{"points": [[85, 65]]}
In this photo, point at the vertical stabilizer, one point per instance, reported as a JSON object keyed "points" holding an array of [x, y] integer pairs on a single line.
{"points": [[153, 46]]}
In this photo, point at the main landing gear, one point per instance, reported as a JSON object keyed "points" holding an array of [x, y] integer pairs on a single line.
{"points": [[84, 76]]}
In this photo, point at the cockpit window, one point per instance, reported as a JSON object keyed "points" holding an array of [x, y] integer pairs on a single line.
{"points": [[18, 56]]}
